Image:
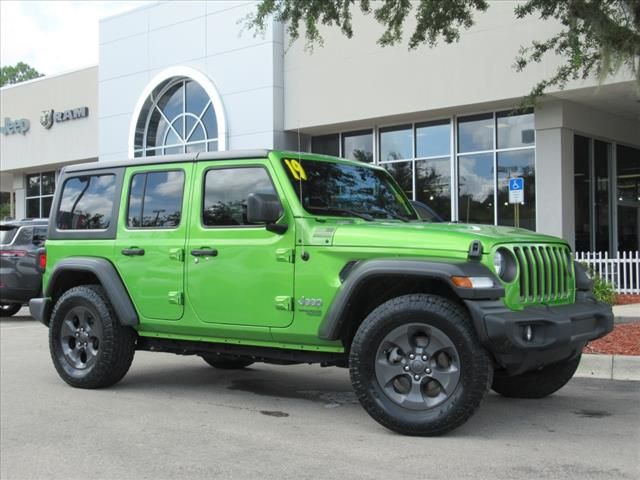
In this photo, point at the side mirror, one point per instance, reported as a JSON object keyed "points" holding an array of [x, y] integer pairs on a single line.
{"points": [[265, 208]]}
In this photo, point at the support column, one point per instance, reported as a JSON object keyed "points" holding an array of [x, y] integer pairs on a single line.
{"points": [[555, 214], [19, 189]]}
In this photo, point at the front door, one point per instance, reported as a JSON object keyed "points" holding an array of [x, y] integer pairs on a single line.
{"points": [[237, 273], [151, 238]]}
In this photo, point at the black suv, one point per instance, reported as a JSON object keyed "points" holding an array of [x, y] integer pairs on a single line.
{"points": [[20, 275]]}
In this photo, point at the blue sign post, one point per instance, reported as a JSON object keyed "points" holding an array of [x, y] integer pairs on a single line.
{"points": [[516, 197]]}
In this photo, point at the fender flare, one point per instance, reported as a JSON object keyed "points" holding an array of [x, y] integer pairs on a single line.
{"points": [[360, 272], [108, 277]]}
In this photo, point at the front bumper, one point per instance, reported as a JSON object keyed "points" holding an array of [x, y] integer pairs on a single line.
{"points": [[559, 332]]}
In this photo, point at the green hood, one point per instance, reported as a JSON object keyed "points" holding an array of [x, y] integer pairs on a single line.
{"points": [[433, 236]]}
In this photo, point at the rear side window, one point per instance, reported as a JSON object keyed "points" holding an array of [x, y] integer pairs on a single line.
{"points": [[155, 200], [226, 191], [86, 203]]}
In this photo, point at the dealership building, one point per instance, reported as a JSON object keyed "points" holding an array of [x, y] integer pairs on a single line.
{"points": [[176, 77]]}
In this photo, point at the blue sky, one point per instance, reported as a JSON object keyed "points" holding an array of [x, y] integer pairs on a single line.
{"points": [[54, 36]]}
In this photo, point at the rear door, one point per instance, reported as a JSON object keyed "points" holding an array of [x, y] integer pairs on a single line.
{"points": [[151, 235]]}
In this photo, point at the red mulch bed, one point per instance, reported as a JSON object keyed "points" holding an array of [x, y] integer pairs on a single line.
{"points": [[626, 299], [624, 340]]}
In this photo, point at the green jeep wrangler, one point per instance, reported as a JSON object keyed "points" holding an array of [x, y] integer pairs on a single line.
{"points": [[278, 257]]}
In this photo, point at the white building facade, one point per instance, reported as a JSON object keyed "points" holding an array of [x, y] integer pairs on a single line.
{"points": [[46, 123], [186, 76]]}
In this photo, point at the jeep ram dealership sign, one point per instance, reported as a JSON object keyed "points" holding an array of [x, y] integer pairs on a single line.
{"points": [[11, 127], [47, 119]]}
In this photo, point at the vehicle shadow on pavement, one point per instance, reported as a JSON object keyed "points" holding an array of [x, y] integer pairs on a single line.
{"points": [[582, 405]]}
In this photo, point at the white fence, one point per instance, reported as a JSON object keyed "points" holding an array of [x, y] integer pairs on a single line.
{"points": [[623, 270]]}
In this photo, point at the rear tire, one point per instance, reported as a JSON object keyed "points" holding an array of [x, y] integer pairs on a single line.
{"points": [[9, 309], [226, 362], [88, 346], [417, 366], [539, 383]]}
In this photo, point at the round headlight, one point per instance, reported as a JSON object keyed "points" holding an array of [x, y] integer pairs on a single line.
{"points": [[505, 265], [499, 262]]}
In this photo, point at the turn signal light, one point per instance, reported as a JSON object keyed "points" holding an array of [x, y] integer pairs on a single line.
{"points": [[472, 282]]}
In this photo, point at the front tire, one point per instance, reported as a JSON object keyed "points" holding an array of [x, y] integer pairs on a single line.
{"points": [[417, 366], [88, 346], [9, 309], [539, 383]]}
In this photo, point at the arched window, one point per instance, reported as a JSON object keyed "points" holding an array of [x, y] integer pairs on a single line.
{"points": [[178, 116]]}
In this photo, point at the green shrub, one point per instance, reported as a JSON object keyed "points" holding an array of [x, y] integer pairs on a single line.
{"points": [[602, 290]]}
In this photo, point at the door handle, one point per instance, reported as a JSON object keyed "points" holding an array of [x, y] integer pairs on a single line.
{"points": [[204, 252], [132, 252]]}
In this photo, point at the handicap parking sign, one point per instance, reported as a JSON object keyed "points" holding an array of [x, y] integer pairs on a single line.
{"points": [[516, 190]]}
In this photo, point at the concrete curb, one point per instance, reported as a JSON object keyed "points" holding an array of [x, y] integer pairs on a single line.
{"points": [[610, 367], [622, 319]]}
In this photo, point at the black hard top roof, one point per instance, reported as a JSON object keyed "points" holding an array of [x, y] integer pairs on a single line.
{"points": [[185, 157]]}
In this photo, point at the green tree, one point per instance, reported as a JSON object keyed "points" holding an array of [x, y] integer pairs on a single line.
{"points": [[595, 36], [17, 73]]}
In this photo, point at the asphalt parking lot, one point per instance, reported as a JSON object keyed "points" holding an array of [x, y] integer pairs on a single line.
{"points": [[176, 417]]}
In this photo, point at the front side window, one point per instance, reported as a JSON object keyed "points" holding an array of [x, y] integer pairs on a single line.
{"points": [[226, 191], [155, 200], [339, 189], [86, 203]]}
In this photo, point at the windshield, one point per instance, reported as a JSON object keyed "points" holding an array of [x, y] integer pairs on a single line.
{"points": [[340, 189]]}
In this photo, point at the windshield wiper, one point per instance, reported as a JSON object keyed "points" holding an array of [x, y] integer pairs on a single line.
{"points": [[353, 213], [388, 213], [397, 216]]}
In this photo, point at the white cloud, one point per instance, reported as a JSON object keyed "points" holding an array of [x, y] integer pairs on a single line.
{"points": [[54, 36]]}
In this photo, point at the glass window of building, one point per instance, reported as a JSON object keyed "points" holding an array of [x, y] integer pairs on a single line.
{"points": [[402, 172], [326, 144], [476, 188], [433, 139], [39, 194], [358, 146], [396, 143], [515, 130], [433, 174], [582, 189], [517, 163], [627, 191], [433, 185], [607, 206], [178, 117], [491, 150], [475, 133]]}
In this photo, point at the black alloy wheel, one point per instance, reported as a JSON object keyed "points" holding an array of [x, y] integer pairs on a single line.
{"points": [[417, 366]]}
